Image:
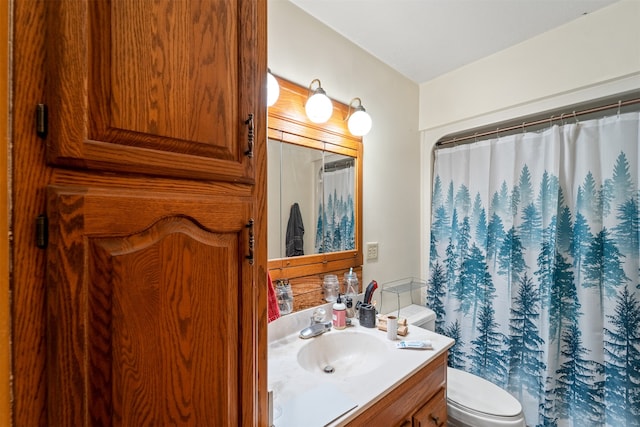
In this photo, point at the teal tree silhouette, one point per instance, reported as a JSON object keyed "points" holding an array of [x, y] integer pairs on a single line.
{"points": [[578, 394], [487, 359], [436, 198], [464, 237], [433, 248], [451, 265], [627, 229], [564, 230], [579, 242], [510, 258], [525, 186], [495, 236], [564, 306], [481, 229], [546, 409], [475, 285], [622, 362], [602, 265], [622, 183], [475, 214], [545, 271], [530, 229], [436, 294], [441, 223], [547, 202], [525, 344], [456, 353], [463, 201]]}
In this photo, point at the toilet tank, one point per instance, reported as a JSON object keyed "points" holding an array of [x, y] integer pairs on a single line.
{"points": [[418, 315]]}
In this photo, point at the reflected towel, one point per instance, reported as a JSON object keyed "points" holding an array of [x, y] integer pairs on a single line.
{"points": [[272, 305]]}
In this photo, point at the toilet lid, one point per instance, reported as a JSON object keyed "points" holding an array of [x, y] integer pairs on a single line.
{"points": [[480, 395]]}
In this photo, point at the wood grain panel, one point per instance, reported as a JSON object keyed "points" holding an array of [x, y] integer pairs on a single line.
{"points": [[54, 46], [161, 83], [5, 137], [29, 178], [401, 403], [433, 413], [145, 316], [182, 65]]}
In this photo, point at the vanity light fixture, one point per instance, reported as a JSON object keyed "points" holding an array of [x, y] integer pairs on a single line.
{"points": [[318, 106], [359, 122], [273, 89]]}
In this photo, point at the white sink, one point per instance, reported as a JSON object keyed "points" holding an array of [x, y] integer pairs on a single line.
{"points": [[343, 354]]}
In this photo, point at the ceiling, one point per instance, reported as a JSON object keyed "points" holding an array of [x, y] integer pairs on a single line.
{"points": [[423, 39]]}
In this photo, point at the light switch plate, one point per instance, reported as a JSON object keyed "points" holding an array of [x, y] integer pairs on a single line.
{"points": [[372, 250]]}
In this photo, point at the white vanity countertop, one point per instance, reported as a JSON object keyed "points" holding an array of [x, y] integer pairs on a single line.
{"points": [[290, 382]]}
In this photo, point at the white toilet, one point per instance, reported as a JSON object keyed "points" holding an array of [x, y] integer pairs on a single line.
{"points": [[471, 401]]}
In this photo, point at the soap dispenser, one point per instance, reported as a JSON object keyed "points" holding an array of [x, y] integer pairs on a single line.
{"points": [[339, 314]]}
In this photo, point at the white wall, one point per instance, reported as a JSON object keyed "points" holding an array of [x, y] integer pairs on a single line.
{"points": [[592, 57], [300, 49]]}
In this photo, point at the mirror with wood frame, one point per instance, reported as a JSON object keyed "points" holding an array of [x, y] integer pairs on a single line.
{"points": [[314, 189]]}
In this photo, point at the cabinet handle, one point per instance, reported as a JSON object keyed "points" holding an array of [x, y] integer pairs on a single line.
{"points": [[249, 122], [251, 241], [435, 420]]}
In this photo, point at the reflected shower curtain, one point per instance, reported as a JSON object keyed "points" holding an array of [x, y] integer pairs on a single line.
{"points": [[534, 268], [335, 218]]}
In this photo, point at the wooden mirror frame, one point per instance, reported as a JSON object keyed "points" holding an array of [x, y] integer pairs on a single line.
{"points": [[288, 122]]}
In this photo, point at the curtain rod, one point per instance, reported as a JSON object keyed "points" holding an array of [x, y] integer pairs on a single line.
{"points": [[573, 114], [338, 164]]}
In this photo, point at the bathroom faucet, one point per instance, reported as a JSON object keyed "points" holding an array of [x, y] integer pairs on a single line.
{"points": [[318, 326]]}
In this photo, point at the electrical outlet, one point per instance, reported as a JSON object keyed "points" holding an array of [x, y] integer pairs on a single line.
{"points": [[372, 250]]}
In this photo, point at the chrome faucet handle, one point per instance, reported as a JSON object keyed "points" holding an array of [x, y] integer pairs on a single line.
{"points": [[318, 316]]}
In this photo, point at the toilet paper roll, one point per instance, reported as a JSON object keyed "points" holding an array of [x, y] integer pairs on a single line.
{"points": [[392, 327]]}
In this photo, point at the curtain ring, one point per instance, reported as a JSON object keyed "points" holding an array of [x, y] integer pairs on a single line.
{"points": [[562, 119], [523, 128], [619, 105], [576, 117]]}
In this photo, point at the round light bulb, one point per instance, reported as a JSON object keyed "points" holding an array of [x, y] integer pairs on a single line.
{"points": [[273, 90], [319, 107], [359, 123]]}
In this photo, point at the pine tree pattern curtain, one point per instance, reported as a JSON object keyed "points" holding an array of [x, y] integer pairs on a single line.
{"points": [[534, 267], [335, 219]]}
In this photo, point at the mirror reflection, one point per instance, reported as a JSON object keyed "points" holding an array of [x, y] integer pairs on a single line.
{"points": [[314, 190], [311, 201]]}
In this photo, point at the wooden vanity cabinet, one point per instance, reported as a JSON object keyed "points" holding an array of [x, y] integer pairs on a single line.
{"points": [[420, 401], [433, 413]]}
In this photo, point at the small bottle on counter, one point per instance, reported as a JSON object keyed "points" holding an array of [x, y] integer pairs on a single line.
{"points": [[339, 314]]}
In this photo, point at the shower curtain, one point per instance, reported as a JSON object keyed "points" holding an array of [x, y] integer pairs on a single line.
{"points": [[335, 217], [534, 267]]}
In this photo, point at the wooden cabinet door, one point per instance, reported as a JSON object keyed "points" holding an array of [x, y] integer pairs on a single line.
{"points": [[162, 87], [147, 297], [433, 413]]}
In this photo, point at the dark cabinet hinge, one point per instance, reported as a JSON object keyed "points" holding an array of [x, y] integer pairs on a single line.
{"points": [[251, 241], [250, 136], [42, 120], [42, 231]]}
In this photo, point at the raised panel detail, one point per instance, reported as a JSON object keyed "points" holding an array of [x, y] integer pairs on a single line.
{"points": [[145, 327], [157, 87]]}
